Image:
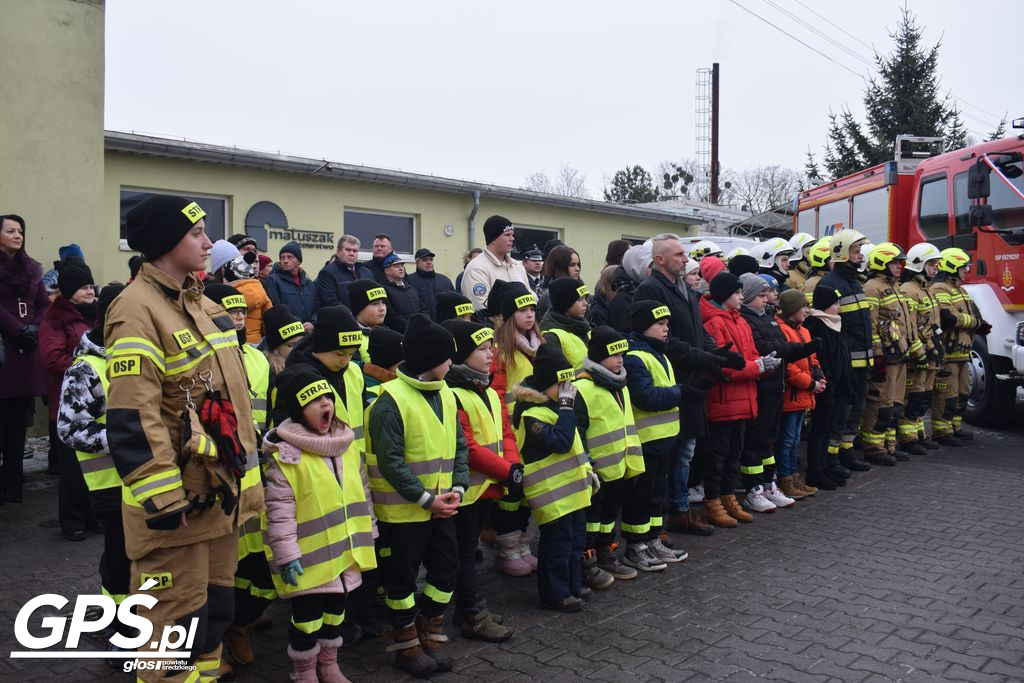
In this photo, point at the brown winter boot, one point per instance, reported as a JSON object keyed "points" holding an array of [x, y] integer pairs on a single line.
{"points": [[789, 487], [803, 485], [304, 664], [432, 637], [688, 523], [327, 662], [734, 510], [715, 513], [409, 654], [237, 643]]}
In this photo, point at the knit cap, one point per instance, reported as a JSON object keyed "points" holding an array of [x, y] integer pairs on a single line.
{"points": [[824, 297], [710, 266], [495, 227], [791, 301], [646, 312], [223, 253], [432, 345], [159, 222], [564, 292], [605, 341], [241, 241], [498, 291], [516, 299], [725, 284], [550, 367], [742, 263], [385, 347], [225, 295], [280, 325], [770, 279], [452, 305], [468, 336], [335, 328], [292, 248], [361, 293], [298, 386], [752, 286], [72, 275]]}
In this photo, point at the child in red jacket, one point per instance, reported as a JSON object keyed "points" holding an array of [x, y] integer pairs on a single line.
{"points": [[493, 465], [732, 404]]}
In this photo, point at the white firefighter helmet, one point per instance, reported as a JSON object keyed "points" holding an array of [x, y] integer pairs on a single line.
{"points": [[865, 251], [800, 243], [841, 243], [705, 248], [768, 252], [920, 254]]}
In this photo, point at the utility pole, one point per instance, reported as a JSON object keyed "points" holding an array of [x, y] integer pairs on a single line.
{"points": [[714, 133]]}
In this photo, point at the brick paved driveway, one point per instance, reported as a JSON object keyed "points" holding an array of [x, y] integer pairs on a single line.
{"points": [[912, 573]]}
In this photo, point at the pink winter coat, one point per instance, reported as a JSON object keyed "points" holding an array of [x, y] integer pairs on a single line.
{"points": [[293, 441]]}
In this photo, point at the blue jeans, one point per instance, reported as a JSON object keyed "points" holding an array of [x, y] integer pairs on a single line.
{"points": [[679, 473], [789, 441], [559, 553]]}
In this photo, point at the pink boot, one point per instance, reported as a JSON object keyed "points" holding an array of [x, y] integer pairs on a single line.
{"points": [[509, 560], [327, 662], [304, 664], [525, 552]]}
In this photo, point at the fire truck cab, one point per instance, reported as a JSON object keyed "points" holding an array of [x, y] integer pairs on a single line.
{"points": [[970, 198]]}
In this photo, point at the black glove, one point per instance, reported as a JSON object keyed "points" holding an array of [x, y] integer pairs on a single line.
{"points": [[878, 372], [514, 482], [810, 348], [696, 389], [729, 359], [28, 338], [686, 359], [984, 328], [170, 521]]}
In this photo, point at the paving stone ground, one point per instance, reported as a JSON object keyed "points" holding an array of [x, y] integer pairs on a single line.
{"points": [[912, 573]]}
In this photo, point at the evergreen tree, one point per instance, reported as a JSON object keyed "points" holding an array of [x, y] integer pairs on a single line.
{"points": [[1000, 132], [631, 185], [902, 98]]}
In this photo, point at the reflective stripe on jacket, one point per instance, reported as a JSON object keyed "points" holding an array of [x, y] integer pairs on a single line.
{"points": [[485, 421], [613, 441], [98, 468], [558, 484], [661, 424]]}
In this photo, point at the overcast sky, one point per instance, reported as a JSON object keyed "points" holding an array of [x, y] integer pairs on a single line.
{"points": [[493, 93]]}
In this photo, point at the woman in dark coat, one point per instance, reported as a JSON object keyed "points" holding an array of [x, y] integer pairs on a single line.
{"points": [[23, 301]]}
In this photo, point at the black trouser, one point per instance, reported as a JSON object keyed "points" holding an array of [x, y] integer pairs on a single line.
{"points": [[433, 544], [854, 403], [468, 524], [605, 506], [725, 445], [115, 567], [317, 616], [757, 464], [506, 521], [73, 507], [644, 498], [822, 419], [14, 414], [562, 542], [252, 600]]}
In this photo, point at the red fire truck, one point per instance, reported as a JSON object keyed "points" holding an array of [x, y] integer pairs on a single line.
{"points": [[970, 198]]}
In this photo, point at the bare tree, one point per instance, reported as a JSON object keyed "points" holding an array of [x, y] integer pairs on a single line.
{"points": [[683, 179], [763, 188], [569, 181]]}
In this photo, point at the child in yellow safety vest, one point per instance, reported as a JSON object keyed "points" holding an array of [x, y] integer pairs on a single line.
{"points": [[494, 468], [558, 476], [320, 524], [564, 324], [605, 416]]}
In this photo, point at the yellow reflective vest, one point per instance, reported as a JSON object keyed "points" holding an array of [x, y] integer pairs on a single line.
{"points": [[487, 432], [573, 348], [558, 484], [662, 424], [612, 437], [429, 450], [334, 529], [98, 468], [257, 368]]}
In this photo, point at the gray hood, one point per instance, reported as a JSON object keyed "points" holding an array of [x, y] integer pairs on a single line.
{"points": [[635, 262]]}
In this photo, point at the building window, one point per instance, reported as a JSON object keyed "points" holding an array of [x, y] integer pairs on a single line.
{"points": [[401, 227], [528, 237], [216, 209], [933, 213]]}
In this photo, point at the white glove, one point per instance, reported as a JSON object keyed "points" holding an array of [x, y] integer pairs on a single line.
{"points": [[566, 394], [595, 482], [768, 363]]}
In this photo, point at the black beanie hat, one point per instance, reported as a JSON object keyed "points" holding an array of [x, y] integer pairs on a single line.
{"points": [[157, 224], [362, 292], [550, 366], [297, 385], [495, 227], [451, 305], [242, 240], [225, 295], [824, 297], [432, 345], [335, 328], [499, 290], [385, 347], [605, 341], [723, 286], [292, 248], [514, 299], [647, 312], [280, 325], [72, 275], [743, 263], [564, 292], [468, 335]]}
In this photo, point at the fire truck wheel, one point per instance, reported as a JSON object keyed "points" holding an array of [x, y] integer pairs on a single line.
{"points": [[991, 401]]}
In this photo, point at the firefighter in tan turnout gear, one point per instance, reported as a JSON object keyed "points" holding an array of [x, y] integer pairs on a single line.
{"points": [[960, 321], [179, 425]]}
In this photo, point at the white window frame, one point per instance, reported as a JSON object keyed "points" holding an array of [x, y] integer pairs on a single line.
{"points": [[366, 255], [123, 243]]}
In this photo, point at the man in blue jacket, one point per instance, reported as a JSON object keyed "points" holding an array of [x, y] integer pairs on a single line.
{"points": [[288, 284], [335, 277]]}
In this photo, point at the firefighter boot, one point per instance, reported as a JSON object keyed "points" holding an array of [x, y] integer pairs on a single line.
{"points": [[409, 654], [304, 664], [237, 643], [327, 662], [716, 514], [733, 509], [432, 638]]}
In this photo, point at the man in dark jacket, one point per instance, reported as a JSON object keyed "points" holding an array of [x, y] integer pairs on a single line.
{"points": [[288, 284], [428, 283], [334, 278], [403, 301], [856, 325], [381, 250]]}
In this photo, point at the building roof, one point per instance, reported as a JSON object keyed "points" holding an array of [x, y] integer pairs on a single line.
{"points": [[235, 156]]}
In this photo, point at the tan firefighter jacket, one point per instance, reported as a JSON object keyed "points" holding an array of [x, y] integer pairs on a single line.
{"points": [[956, 315], [893, 337], [924, 315]]}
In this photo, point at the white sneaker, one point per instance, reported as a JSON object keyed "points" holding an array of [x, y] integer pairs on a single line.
{"points": [[780, 499], [696, 494], [756, 501]]}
